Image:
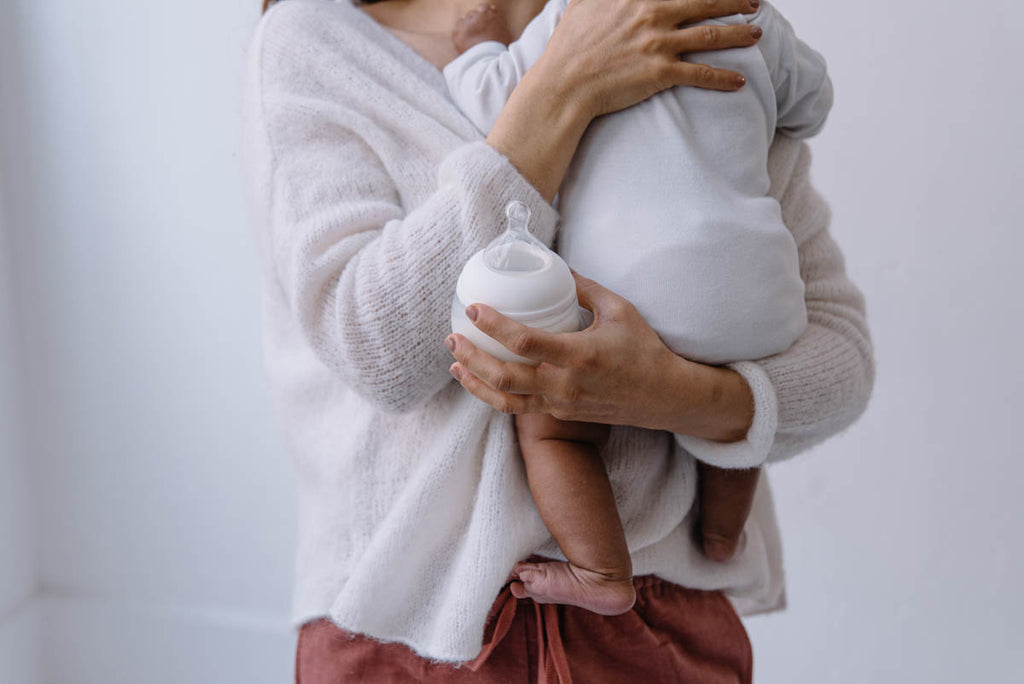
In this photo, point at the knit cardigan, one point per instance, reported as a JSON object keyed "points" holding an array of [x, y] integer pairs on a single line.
{"points": [[368, 191]]}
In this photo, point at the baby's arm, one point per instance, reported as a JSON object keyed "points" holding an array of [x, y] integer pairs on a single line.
{"points": [[482, 78], [803, 90], [726, 496]]}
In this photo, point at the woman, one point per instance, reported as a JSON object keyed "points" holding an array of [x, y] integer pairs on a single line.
{"points": [[370, 190]]}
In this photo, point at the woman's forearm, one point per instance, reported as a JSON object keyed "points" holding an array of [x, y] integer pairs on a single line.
{"points": [[708, 402], [539, 129]]}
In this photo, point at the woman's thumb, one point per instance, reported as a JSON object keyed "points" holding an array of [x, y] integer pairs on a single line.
{"points": [[591, 294]]}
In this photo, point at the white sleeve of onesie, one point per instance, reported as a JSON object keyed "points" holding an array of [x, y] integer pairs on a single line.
{"points": [[482, 78], [803, 89], [822, 383]]}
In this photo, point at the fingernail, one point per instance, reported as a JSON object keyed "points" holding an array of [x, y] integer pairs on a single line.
{"points": [[755, 31], [740, 81], [456, 373], [755, 3], [450, 343], [471, 313]]}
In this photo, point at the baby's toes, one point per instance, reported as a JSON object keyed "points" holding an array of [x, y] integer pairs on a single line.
{"points": [[528, 568], [518, 590]]}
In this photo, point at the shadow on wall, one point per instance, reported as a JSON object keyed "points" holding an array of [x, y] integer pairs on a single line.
{"points": [[19, 655]]}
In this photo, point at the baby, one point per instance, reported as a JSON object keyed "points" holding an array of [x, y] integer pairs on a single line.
{"points": [[665, 203]]}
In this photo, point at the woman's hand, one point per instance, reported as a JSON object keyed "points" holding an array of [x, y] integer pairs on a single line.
{"points": [[615, 53], [606, 55], [616, 371], [597, 375]]}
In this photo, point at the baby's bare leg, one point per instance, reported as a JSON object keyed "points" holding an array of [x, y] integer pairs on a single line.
{"points": [[725, 500], [480, 24], [571, 489]]}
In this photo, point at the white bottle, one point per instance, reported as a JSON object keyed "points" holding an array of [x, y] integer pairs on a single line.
{"points": [[520, 277]]}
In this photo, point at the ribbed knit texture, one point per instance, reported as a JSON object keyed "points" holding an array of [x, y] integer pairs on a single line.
{"points": [[368, 191]]}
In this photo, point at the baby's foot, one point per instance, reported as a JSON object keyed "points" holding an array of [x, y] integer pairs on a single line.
{"points": [[572, 585], [480, 24]]}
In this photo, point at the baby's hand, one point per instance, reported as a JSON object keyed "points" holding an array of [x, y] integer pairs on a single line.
{"points": [[481, 24], [726, 497]]}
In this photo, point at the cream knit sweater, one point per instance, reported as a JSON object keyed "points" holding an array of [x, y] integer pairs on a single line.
{"points": [[369, 190]]}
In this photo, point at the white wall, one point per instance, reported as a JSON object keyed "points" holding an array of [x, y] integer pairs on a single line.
{"points": [[19, 610], [902, 538], [164, 498]]}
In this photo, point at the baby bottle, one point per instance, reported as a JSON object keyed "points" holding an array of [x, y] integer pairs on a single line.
{"points": [[518, 276]]}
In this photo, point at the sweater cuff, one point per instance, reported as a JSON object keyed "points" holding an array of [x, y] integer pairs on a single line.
{"points": [[485, 179], [752, 451]]}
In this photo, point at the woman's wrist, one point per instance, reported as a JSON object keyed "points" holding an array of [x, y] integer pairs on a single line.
{"points": [[540, 128], [708, 402]]}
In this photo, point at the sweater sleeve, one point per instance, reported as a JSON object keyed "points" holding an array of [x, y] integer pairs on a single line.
{"points": [[482, 78], [821, 384], [368, 281]]}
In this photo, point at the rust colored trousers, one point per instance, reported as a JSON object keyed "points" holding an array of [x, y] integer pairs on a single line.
{"points": [[672, 634]]}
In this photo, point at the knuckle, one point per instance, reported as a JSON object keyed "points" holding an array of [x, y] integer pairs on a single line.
{"points": [[571, 391], [506, 405], [705, 74], [468, 357], [463, 349], [522, 343], [650, 42], [560, 413], [660, 13], [502, 381], [655, 15], [560, 407], [662, 72], [619, 309], [586, 361], [709, 35], [641, 13]]}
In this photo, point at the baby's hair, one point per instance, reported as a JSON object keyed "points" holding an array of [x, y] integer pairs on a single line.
{"points": [[268, 3]]}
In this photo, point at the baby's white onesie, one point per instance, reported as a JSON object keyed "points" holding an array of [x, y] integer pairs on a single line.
{"points": [[666, 202]]}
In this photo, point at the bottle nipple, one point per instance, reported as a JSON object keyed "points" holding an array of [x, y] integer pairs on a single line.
{"points": [[516, 249]]}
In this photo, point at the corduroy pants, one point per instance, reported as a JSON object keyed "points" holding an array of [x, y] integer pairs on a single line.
{"points": [[672, 634]]}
